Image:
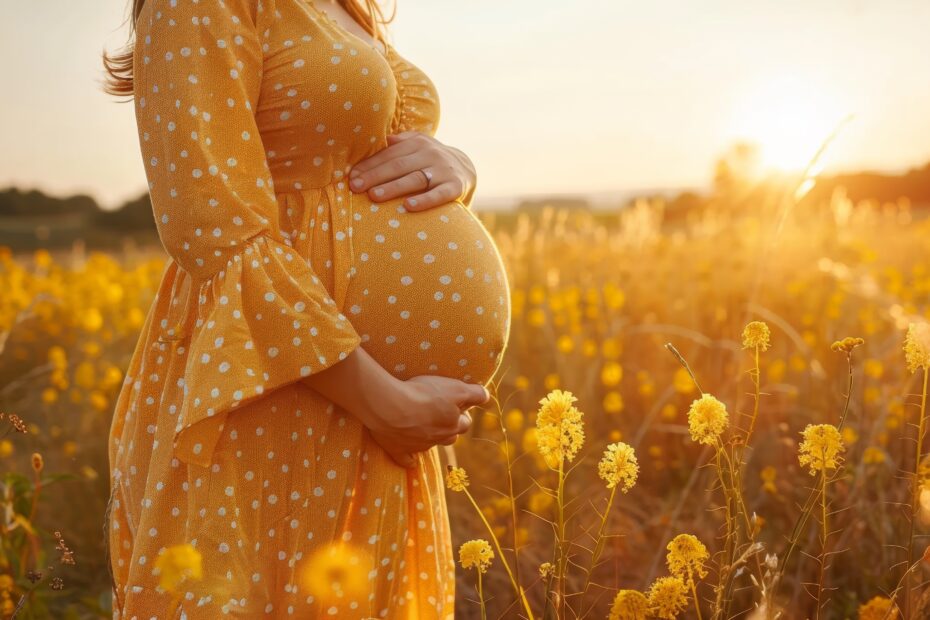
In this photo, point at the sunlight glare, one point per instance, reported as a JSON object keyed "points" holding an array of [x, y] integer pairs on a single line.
{"points": [[788, 118]]}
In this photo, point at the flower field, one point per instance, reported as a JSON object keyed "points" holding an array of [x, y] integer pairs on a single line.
{"points": [[711, 413]]}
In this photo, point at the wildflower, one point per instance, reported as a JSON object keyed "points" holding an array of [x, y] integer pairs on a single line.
{"points": [[879, 608], [873, 456], [546, 570], [756, 334], [177, 563], [768, 476], [917, 346], [820, 450], [668, 597], [707, 419], [629, 605], [456, 479], [611, 374], [337, 570], [682, 381], [686, 557], [37, 462], [67, 555], [560, 431], [476, 554], [619, 466], [846, 345]]}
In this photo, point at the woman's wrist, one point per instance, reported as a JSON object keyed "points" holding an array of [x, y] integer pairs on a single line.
{"points": [[361, 386]]}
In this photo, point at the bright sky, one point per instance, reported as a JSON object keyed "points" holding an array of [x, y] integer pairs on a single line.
{"points": [[544, 96]]}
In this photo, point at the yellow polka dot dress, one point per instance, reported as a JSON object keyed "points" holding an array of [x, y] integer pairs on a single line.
{"points": [[250, 113]]}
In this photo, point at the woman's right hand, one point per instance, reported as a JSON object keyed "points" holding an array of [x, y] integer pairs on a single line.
{"points": [[429, 410]]}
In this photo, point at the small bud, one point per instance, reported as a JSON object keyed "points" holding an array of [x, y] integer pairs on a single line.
{"points": [[37, 462]]}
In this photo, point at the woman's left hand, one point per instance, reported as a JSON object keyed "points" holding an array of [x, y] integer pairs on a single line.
{"points": [[396, 171]]}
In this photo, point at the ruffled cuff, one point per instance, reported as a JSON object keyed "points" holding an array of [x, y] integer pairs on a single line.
{"points": [[263, 322]]}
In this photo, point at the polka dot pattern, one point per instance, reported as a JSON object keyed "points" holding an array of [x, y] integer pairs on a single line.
{"points": [[250, 113]]}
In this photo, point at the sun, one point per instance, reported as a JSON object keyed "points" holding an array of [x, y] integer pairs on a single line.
{"points": [[788, 118]]}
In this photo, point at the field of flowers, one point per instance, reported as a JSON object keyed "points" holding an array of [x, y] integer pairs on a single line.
{"points": [[711, 414]]}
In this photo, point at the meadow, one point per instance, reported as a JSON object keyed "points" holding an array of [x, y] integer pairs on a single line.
{"points": [[701, 413]]}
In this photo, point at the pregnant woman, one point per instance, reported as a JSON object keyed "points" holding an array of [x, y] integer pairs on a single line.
{"points": [[312, 342]]}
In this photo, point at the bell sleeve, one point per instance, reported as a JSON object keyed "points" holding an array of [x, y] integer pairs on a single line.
{"points": [[256, 315]]}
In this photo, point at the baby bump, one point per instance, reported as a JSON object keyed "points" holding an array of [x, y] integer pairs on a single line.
{"points": [[430, 293]]}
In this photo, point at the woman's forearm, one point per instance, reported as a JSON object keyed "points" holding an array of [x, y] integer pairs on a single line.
{"points": [[361, 386]]}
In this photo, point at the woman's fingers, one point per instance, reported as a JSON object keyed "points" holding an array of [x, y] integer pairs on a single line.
{"points": [[438, 195], [387, 164], [410, 183]]}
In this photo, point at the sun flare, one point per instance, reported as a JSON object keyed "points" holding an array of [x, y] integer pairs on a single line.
{"points": [[788, 118]]}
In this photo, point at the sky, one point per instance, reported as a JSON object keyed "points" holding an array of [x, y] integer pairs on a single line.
{"points": [[544, 96]]}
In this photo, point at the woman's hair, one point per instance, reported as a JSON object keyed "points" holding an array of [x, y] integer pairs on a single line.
{"points": [[119, 66]]}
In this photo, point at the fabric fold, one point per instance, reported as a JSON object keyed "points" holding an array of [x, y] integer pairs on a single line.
{"points": [[267, 318]]}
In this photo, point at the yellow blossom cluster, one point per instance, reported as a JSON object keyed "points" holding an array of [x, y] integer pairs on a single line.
{"points": [[707, 419], [560, 432], [821, 448]]}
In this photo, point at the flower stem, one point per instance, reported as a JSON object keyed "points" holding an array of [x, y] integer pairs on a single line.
{"points": [[497, 545], [823, 540], [598, 549], [484, 613], [915, 495], [697, 604]]}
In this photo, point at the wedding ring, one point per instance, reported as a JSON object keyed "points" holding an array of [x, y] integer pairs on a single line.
{"points": [[429, 177]]}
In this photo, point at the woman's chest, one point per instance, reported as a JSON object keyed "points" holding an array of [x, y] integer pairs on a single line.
{"points": [[329, 98]]}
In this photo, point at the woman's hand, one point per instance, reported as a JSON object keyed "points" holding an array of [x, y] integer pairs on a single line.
{"points": [[432, 410], [396, 171]]}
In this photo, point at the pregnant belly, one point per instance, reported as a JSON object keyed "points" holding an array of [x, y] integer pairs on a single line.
{"points": [[430, 293]]}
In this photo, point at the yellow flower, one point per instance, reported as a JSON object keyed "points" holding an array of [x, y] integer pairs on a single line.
{"points": [[668, 597], [611, 374], [546, 569], [756, 334], [619, 466], [613, 402], [629, 605], [917, 346], [820, 450], [456, 479], [686, 557], [768, 475], [846, 345], [879, 608], [682, 382], [513, 421], [873, 456], [540, 501], [551, 381], [560, 431], [178, 563], [337, 570], [476, 554], [707, 419]]}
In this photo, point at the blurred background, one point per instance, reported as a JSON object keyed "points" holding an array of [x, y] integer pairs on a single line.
{"points": [[651, 172]]}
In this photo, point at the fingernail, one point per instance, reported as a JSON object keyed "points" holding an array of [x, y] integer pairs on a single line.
{"points": [[379, 191], [356, 182], [412, 202]]}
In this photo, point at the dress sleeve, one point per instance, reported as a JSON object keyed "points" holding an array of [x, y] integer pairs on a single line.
{"points": [[263, 317]]}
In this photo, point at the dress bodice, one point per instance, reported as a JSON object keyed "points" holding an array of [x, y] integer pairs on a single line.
{"points": [[329, 98]]}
